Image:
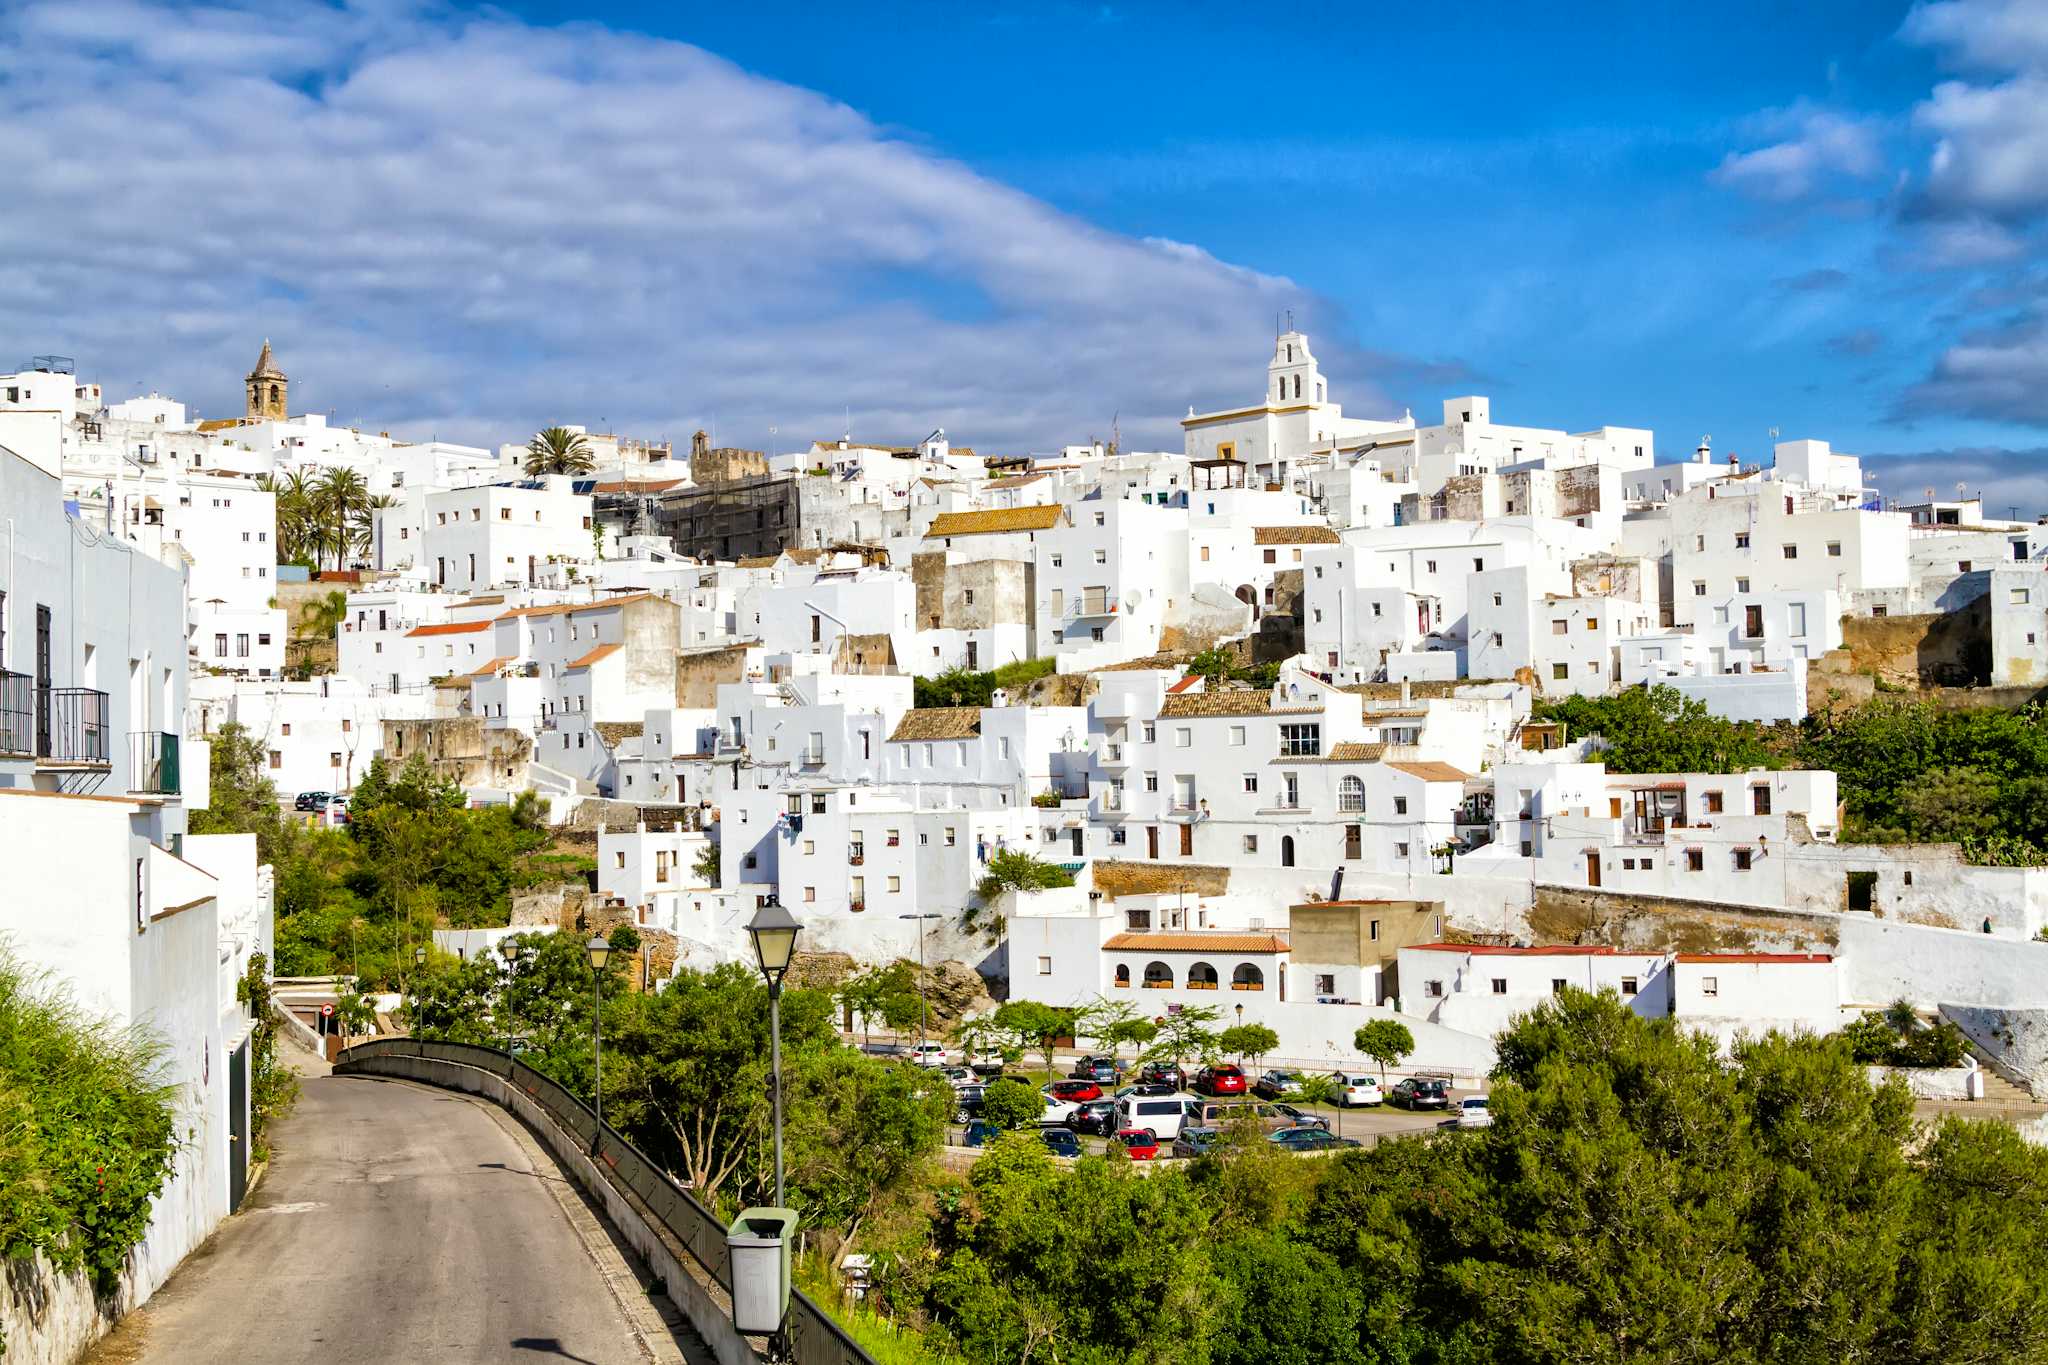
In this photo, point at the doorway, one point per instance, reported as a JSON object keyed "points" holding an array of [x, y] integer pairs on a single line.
{"points": [[1592, 869], [1187, 841], [1287, 850], [1152, 841], [238, 1126]]}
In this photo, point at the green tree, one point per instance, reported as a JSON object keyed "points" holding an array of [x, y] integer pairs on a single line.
{"points": [[1320, 1088], [1015, 870], [1658, 730], [1035, 1025], [1953, 804], [558, 450], [885, 993], [1287, 1304], [1011, 1103], [1386, 1041], [339, 501], [356, 1014], [242, 800], [707, 866], [1186, 1033], [1252, 1041]]}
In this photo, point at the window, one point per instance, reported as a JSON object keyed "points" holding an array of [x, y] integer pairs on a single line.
{"points": [[1791, 552], [1044, 966], [1713, 802], [1267, 556], [1699, 587], [1237, 736], [950, 838], [1400, 805], [285, 729], [1628, 985], [1559, 627], [1742, 585], [1151, 782], [1290, 792], [1373, 931], [1251, 843], [1742, 540], [1560, 672], [1433, 989], [1695, 860], [810, 893], [1301, 741], [1500, 985], [895, 883], [1834, 549], [1557, 984], [1251, 782], [1151, 732], [1742, 859], [1710, 985], [1326, 983], [1351, 794], [276, 759], [334, 760], [1183, 736], [1760, 800], [1102, 556], [1400, 850], [2019, 597]]}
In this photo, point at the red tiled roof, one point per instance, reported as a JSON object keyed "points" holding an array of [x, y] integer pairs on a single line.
{"points": [[1497, 950], [448, 628], [1197, 943], [601, 652], [1755, 957]]}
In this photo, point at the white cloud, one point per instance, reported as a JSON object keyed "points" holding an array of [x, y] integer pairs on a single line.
{"points": [[1815, 146], [1993, 35], [468, 226]]}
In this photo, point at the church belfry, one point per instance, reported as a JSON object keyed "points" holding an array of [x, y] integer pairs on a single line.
{"points": [[1292, 376], [267, 389]]}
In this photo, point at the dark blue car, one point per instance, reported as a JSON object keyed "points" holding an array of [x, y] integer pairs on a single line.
{"points": [[1061, 1142]]}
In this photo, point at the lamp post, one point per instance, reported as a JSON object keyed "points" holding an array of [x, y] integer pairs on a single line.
{"points": [[600, 953], [508, 948], [774, 931], [419, 966], [920, 971]]}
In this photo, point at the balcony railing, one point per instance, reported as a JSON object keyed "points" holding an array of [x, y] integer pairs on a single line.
{"points": [[1091, 604], [17, 714], [71, 726], [156, 763]]}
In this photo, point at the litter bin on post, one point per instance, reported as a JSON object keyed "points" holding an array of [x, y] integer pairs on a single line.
{"points": [[758, 1248]]}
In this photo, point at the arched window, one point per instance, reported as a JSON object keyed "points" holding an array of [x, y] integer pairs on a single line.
{"points": [[275, 396], [1247, 978], [1351, 794], [1158, 976], [1287, 850], [1297, 386], [1123, 977], [1201, 977]]}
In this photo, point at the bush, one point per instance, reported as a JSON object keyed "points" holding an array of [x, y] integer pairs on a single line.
{"points": [[1012, 1104], [1896, 1037]]}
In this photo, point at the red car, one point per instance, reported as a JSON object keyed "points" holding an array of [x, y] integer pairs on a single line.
{"points": [[1138, 1144], [1074, 1092], [1220, 1080]]}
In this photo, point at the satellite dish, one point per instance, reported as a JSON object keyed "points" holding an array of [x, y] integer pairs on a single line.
{"points": [[1132, 598]]}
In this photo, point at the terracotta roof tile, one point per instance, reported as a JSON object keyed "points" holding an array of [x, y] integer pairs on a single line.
{"points": [[994, 521], [560, 608], [938, 722], [492, 667], [1230, 703], [448, 628], [1351, 751], [596, 655], [1294, 535], [1433, 771], [1197, 943]]}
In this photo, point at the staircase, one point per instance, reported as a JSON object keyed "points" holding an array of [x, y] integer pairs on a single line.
{"points": [[2000, 1093]]}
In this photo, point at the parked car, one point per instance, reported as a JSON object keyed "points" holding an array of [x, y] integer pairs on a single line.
{"points": [[336, 809], [1355, 1088], [1057, 1112], [985, 1061], [311, 800], [967, 1101], [1163, 1116], [1220, 1080], [1272, 1117], [1138, 1144], [1302, 1118], [1421, 1092], [1145, 1087], [980, 1133], [1061, 1142], [1309, 1140], [1165, 1073], [1096, 1116], [929, 1054], [1101, 1070], [1077, 1091], [1277, 1085], [1195, 1141], [1473, 1113], [958, 1076]]}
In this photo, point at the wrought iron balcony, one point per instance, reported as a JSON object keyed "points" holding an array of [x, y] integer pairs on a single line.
{"points": [[71, 727], [17, 714], [156, 763]]}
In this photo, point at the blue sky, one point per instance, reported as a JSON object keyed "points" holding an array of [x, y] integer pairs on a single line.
{"points": [[1018, 221]]}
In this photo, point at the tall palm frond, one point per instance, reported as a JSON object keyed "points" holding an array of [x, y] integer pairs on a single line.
{"points": [[558, 450]]}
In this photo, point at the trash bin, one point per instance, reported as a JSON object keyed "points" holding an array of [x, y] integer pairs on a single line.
{"points": [[758, 1247]]}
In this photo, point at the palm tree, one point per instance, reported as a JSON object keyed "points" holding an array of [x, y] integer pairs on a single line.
{"points": [[559, 450], [338, 500], [296, 529], [363, 526]]}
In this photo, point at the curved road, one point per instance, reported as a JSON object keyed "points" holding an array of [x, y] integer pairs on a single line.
{"points": [[401, 1223]]}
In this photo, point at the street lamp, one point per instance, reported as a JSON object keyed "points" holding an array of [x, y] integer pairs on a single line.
{"points": [[920, 971], [600, 953], [774, 931], [508, 948]]}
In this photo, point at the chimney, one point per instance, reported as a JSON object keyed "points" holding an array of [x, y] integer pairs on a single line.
{"points": [[1407, 692]]}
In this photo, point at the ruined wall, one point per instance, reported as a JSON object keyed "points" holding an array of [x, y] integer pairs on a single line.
{"points": [[864, 654], [1664, 924], [699, 672], [723, 464], [974, 595], [1946, 649], [1119, 878], [463, 749]]}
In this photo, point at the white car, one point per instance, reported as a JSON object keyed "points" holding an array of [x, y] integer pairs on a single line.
{"points": [[1355, 1088], [1057, 1112], [1472, 1113], [929, 1054]]}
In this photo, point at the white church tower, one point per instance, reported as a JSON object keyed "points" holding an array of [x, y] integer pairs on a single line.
{"points": [[1292, 376]]}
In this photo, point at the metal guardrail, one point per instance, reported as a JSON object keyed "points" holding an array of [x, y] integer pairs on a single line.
{"points": [[17, 713], [810, 1334]]}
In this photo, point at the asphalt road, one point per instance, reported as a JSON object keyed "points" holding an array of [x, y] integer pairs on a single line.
{"points": [[398, 1223]]}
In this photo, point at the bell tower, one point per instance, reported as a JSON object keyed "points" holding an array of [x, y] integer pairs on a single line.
{"points": [[267, 388], [1292, 376]]}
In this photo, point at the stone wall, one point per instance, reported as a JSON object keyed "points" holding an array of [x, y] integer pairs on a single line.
{"points": [[1935, 649], [723, 464], [700, 671], [1665, 924], [463, 749]]}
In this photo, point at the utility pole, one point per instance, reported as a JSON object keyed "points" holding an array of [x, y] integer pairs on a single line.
{"points": [[922, 1016]]}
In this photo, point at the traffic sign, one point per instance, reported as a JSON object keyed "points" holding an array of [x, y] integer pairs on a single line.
{"points": [[327, 1010]]}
